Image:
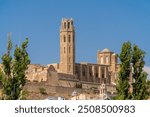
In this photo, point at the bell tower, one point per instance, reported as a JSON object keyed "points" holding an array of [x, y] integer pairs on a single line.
{"points": [[67, 46]]}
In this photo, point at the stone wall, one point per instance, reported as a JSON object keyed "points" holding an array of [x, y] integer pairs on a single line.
{"points": [[33, 89], [37, 73]]}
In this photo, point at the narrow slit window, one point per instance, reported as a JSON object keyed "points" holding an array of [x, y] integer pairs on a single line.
{"points": [[68, 25], [64, 38], [69, 49], [64, 50], [69, 39], [65, 25]]}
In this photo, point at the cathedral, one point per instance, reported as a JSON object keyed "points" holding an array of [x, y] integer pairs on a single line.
{"points": [[68, 73], [67, 76], [106, 69]]}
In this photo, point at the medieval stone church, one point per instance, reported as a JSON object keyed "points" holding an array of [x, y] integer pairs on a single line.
{"points": [[68, 73]]}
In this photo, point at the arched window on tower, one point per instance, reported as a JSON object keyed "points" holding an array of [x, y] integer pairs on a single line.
{"points": [[64, 50], [65, 25], [69, 49], [69, 38], [64, 38], [68, 25]]}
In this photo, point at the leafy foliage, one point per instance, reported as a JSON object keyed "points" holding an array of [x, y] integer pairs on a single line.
{"points": [[12, 74], [132, 64], [24, 94], [139, 76], [124, 74], [148, 87]]}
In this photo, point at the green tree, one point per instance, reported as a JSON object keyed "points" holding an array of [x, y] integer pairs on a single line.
{"points": [[132, 64], [124, 74], [148, 88], [139, 76], [6, 76], [13, 71]]}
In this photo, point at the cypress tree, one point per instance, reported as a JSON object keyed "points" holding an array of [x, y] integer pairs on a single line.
{"points": [[6, 76], [139, 76], [12, 74], [132, 64], [124, 74]]}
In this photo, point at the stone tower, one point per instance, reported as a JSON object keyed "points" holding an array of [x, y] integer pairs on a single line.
{"points": [[67, 46], [106, 57]]}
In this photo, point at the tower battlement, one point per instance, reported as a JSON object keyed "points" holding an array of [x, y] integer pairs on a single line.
{"points": [[67, 25]]}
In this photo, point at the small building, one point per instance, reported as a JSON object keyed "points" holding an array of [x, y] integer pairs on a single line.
{"points": [[83, 96], [55, 98]]}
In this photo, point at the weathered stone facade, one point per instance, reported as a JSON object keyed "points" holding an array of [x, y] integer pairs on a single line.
{"points": [[69, 74], [106, 57], [67, 47], [106, 69]]}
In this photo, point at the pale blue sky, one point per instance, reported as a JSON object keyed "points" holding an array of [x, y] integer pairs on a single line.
{"points": [[99, 23]]}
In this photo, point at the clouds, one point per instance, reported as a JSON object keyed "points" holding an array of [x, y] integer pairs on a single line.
{"points": [[147, 70]]}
